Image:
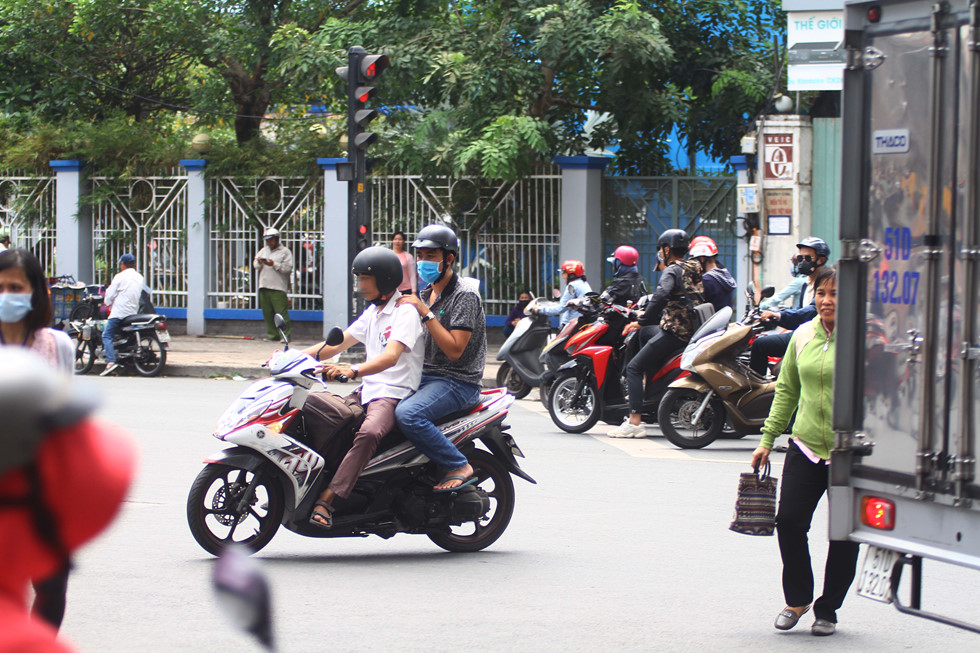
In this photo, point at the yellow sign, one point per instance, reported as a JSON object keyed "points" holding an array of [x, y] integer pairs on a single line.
{"points": [[360, 187]]}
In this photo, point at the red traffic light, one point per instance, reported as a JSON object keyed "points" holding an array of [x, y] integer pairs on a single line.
{"points": [[362, 229], [365, 93], [373, 65]]}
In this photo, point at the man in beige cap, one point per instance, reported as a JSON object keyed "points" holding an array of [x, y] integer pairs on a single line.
{"points": [[274, 263]]}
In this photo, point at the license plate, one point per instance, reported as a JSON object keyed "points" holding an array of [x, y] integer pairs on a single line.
{"points": [[86, 333], [875, 574], [164, 336]]}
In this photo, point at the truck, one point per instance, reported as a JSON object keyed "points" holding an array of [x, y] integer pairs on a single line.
{"points": [[903, 474]]}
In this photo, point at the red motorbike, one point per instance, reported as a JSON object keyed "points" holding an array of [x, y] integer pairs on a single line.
{"points": [[591, 386]]}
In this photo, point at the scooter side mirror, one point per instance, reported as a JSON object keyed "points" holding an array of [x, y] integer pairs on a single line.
{"points": [[335, 336], [281, 326], [768, 291], [243, 591]]}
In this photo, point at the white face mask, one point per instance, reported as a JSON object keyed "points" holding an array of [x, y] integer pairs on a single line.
{"points": [[14, 306]]}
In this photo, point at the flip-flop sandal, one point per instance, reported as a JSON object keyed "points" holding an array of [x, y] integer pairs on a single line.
{"points": [[465, 482], [327, 518]]}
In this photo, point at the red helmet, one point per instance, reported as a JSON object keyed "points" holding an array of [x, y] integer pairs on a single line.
{"points": [[702, 246], [572, 266], [625, 254]]}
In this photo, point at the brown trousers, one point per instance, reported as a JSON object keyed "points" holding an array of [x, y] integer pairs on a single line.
{"points": [[379, 419]]}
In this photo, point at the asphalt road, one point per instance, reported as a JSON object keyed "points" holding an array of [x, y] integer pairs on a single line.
{"points": [[621, 546]]}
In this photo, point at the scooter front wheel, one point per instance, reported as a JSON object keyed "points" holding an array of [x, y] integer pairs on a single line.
{"points": [[573, 404], [213, 509], [508, 378], [676, 419]]}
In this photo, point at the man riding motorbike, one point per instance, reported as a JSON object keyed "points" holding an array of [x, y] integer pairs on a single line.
{"points": [[680, 289], [627, 285], [576, 285]]}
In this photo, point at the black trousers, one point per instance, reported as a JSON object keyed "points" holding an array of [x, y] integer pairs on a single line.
{"points": [[650, 358], [774, 344], [49, 598], [803, 485]]}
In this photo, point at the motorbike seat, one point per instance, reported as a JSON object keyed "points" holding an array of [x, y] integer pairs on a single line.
{"points": [[139, 317], [395, 437]]}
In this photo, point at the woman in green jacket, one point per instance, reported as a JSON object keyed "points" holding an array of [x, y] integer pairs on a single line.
{"points": [[805, 386]]}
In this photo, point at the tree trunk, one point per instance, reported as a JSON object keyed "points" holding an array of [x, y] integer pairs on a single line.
{"points": [[251, 96]]}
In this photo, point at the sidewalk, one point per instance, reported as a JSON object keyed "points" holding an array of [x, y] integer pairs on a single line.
{"points": [[230, 356]]}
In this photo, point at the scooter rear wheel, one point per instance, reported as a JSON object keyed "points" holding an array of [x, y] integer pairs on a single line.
{"points": [[676, 411], [84, 356], [574, 406], [153, 356], [212, 515], [508, 378], [494, 479]]}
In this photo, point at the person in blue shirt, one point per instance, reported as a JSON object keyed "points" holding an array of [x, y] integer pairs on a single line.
{"points": [[573, 274]]}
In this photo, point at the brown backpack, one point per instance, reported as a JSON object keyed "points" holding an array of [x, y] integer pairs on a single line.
{"points": [[331, 422]]}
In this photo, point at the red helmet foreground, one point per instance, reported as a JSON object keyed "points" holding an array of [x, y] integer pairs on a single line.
{"points": [[702, 246], [625, 254], [572, 266]]}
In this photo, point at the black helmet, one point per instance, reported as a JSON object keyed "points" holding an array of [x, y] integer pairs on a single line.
{"points": [[382, 264], [438, 236], [816, 244], [675, 239]]}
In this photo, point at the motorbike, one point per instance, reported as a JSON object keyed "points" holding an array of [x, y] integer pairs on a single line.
{"points": [[591, 387], [554, 355], [522, 368], [271, 475], [719, 388], [141, 343]]}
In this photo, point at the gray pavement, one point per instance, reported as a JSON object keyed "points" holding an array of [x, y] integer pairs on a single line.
{"points": [[621, 546]]}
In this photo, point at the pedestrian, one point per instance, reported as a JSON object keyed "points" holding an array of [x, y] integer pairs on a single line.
{"points": [[4, 241], [671, 304], [576, 285], [805, 387], [63, 477], [123, 299], [410, 278], [812, 254], [455, 354], [25, 312], [627, 284], [274, 263], [719, 284], [517, 312], [392, 337]]}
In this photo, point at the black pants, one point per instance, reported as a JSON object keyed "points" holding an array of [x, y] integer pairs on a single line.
{"points": [[49, 598], [803, 485], [650, 358], [774, 344]]}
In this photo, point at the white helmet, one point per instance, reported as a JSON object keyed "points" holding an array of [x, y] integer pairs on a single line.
{"points": [[271, 232]]}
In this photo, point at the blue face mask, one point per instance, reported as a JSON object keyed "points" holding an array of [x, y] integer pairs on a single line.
{"points": [[14, 306], [428, 271]]}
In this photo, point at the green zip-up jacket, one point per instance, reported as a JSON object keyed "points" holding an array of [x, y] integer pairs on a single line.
{"points": [[805, 385]]}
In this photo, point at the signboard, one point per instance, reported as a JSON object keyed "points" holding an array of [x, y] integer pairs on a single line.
{"points": [[816, 50], [779, 211], [748, 199], [777, 153]]}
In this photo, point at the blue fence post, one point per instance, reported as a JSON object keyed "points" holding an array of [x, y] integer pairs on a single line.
{"points": [[335, 281], [581, 212], [197, 245], [73, 222]]}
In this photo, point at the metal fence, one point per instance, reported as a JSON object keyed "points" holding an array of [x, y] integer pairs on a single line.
{"points": [[508, 230], [27, 214], [240, 209], [636, 210]]}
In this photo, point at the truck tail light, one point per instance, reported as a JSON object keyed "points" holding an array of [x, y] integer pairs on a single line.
{"points": [[878, 513]]}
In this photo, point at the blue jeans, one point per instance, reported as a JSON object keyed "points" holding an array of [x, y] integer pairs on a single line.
{"points": [[108, 333], [436, 397]]}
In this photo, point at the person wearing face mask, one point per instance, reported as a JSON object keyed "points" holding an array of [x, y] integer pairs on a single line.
{"points": [[455, 354], [63, 477], [812, 255], [392, 337], [517, 312], [627, 285]]}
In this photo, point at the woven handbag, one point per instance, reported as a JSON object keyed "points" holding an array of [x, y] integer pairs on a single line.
{"points": [[755, 507]]}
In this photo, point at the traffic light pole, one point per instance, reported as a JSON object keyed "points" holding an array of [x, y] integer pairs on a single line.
{"points": [[357, 197]]}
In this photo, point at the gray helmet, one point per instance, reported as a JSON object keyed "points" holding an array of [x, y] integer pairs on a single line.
{"points": [[438, 236], [34, 400], [816, 244], [675, 239], [382, 264]]}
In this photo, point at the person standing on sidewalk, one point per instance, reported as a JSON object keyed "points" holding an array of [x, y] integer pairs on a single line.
{"points": [[805, 386], [123, 298], [455, 354], [392, 337], [4, 241], [274, 263]]}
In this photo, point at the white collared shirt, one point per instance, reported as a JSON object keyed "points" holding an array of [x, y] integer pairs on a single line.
{"points": [[123, 294], [375, 328]]}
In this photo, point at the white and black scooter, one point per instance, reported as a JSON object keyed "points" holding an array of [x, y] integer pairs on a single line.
{"points": [[272, 475]]}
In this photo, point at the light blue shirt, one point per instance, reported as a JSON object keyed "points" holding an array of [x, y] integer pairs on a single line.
{"points": [[793, 289], [575, 289]]}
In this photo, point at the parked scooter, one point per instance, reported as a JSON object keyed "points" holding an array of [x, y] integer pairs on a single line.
{"points": [[273, 475], [590, 387], [721, 388], [522, 368], [141, 343]]}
